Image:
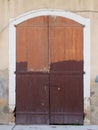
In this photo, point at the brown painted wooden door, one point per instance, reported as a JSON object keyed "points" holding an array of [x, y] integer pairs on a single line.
{"points": [[32, 77], [66, 71], [49, 71]]}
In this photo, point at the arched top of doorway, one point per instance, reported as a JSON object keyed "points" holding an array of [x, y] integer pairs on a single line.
{"points": [[52, 12], [54, 20]]}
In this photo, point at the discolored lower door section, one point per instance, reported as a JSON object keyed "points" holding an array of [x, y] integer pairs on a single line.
{"points": [[66, 93], [32, 99], [66, 104], [54, 97]]}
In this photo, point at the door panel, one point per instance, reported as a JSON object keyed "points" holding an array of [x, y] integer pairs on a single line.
{"points": [[49, 71], [66, 42], [66, 72], [57, 44], [32, 78], [66, 106], [32, 102], [74, 43], [32, 45]]}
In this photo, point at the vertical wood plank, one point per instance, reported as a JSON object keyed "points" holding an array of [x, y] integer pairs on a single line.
{"points": [[21, 46]]}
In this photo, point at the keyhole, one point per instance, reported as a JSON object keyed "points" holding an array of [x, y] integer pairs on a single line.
{"points": [[59, 89]]}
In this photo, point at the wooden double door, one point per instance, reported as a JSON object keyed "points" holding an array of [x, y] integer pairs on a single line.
{"points": [[49, 71]]}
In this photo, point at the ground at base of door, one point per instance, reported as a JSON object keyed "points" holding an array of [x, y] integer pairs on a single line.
{"points": [[45, 127]]}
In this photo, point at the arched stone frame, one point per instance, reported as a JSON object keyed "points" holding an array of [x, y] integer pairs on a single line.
{"points": [[12, 47]]}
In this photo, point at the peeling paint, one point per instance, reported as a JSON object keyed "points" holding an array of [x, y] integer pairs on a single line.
{"points": [[4, 108], [11, 117], [3, 88], [87, 111], [94, 104]]}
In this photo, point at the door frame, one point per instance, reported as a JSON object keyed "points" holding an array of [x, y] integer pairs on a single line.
{"points": [[12, 47]]}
